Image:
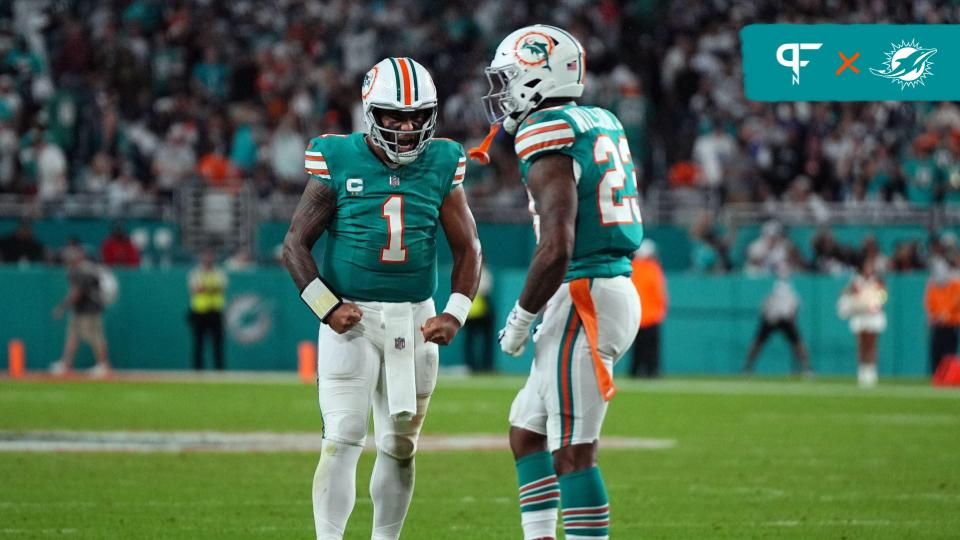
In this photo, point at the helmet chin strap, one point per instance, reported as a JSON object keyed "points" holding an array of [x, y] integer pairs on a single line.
{"points": [[513, 120]]}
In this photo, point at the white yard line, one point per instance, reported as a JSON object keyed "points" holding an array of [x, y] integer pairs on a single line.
{"points": [[211, 441]]}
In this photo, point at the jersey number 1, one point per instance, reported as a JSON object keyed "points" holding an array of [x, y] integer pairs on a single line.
{"points": [[614, 181], [392, 211]]}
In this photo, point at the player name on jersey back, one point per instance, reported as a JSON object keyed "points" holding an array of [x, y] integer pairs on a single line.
{"points": [[381, 245], [609, 227]]}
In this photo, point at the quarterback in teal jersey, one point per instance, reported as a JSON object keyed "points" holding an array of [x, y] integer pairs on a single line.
{"points": [[380, 197], [575, 162]]}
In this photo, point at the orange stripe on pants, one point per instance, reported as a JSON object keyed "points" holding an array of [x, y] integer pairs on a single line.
{"points": [[583, 302]]}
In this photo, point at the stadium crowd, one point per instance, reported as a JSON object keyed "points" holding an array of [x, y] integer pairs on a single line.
{"points": [[129, 99]]}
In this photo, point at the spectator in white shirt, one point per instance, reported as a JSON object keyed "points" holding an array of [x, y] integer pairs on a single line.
{"points": [[51, 170], [712, 151]]}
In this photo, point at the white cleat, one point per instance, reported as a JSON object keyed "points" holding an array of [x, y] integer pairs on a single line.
{"points": [[58, 368], [99, 371]]}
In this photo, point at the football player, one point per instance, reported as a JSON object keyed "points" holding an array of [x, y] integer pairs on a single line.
{"points": [[575, 162], [379, 196]]}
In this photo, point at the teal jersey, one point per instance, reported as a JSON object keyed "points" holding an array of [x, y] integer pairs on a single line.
{"points": [[923, 178], [608, 228], [382, 242]]}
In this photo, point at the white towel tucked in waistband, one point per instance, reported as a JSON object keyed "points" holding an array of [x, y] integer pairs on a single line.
{"points": [[398, 360]]}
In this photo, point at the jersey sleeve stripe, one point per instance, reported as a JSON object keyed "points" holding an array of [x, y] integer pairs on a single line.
{"points": [[312, 153], [315, 164], [541, 128], [542, 138], [313, 159], [554, 144]]}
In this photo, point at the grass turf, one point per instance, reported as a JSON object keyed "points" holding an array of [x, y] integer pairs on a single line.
{"points": [[753, 459]]}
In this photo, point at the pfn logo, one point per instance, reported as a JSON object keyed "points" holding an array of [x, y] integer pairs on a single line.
{"points": [[794, 62]]}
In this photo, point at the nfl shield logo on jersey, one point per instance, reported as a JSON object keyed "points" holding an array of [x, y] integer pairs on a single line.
{"points": [[394, 181], [399, 343]]}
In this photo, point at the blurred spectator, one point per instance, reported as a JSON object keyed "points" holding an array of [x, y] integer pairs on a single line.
{"points": [[906, 258], [651, 285], [216, 169], [51, 164], [9, 148], [828, 255], [779, 314], [97, 176], [713, 151], [870, 249], [710, 253], [21, 245], [123, 190], [239, 261], [175, 160], [211, 75], [10, 101], [286, 153], [479, 331], [208, 286], [86, 302], [923, 177], [118, 250], [769, 252]]}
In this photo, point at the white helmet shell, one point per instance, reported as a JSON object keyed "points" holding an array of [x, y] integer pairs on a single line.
{"points": [[532, 64], [399, 84]]}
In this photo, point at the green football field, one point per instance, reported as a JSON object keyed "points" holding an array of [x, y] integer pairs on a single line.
{"points": [[732, 458]]}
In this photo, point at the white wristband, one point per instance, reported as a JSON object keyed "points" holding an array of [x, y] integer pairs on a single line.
{"points": [[459, 306], [320, 298], [522, 317]]}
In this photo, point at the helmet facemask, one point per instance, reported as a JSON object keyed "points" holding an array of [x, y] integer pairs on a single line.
{"points": [[402, 146], [501, 103]]}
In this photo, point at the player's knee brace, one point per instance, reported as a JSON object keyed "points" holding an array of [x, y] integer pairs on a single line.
{"points": [[398, 446], [345, 427]]}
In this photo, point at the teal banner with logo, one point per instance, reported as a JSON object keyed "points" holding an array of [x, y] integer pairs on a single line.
{"points": [[855, 62]]}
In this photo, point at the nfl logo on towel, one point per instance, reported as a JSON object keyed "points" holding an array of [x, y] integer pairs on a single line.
{"points": [[399, 343], [394, 181]]}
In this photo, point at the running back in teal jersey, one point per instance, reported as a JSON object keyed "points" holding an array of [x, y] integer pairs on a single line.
{"points": [[608, 227], [382, 243]]}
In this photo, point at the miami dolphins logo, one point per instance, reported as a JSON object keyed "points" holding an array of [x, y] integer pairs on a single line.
{"points": [[533, 49], [368, 80], [907, 64]]}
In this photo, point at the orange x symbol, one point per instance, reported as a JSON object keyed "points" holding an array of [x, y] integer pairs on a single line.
{"points": [[848, 62]]}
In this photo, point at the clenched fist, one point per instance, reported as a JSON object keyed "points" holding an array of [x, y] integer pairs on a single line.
{"points": [[345, 317], [440, 329]]}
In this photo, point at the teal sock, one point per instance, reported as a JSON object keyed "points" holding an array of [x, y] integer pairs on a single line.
{"points": [[586, 510], [539, 495]]}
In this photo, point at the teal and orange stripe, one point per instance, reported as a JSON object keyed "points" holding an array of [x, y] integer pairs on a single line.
{"points": [[565, 376], [396, 77], [537, 494], [416, 85], [598, 532], [541, 498]]}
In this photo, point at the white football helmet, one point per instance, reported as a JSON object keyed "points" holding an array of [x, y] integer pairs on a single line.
{"points": [[532, 64], [399, 84]]}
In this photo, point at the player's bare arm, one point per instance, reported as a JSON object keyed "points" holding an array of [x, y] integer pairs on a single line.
{"points": [[316, 209], [461, 231], [554, 191]]}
